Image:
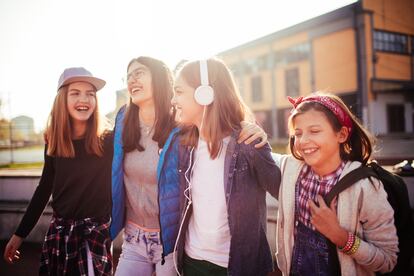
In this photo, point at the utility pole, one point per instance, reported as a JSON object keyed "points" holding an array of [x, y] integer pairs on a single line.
{"points": [[10, 130]]}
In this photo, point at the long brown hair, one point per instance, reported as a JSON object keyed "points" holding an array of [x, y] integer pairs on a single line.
{"points": [[226, 112], [359, 144], [162, 87], [59, 129]]}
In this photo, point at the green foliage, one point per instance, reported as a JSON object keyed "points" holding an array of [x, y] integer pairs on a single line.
{"points": [[34, 165]]}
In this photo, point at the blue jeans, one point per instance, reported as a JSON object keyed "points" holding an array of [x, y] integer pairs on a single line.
{"points": [[141, 254], [312, 254]]}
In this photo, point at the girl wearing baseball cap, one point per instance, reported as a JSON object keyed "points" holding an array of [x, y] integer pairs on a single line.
{"points": [[77, 173]]}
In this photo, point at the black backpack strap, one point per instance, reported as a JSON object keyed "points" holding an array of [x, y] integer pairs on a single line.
{"points": [[349, 180]]}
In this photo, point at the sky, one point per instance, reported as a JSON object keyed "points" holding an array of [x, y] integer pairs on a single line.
{"points": [[40, 38]]}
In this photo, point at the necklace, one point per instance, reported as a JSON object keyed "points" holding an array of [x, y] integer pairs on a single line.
{"points": [[146, 129]]}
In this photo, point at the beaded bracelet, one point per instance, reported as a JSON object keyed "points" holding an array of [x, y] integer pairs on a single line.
{"points": [[355, 246], [349, 243]]}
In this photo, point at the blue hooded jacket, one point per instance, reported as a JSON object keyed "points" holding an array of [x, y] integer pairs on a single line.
{"points": [[168, 193]]}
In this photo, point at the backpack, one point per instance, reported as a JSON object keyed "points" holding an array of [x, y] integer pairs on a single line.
{"points": [[397, 197]]}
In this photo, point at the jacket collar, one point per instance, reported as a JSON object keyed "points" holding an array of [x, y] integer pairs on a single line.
{"points": [[165, 149]]}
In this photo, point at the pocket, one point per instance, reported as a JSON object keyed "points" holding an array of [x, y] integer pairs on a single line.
{"points": [[129, 238], [242, 165], [153, 238]]}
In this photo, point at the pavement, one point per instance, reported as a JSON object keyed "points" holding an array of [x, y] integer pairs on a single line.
{"points": [[28, 264]]}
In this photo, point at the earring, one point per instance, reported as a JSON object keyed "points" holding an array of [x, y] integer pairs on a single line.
{"points": [[347, 148]]}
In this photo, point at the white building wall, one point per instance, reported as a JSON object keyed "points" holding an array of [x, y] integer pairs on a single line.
{"points": [[378, 112]]}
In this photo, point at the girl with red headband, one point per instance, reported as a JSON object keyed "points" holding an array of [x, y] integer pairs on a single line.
{"points": [[355, 235]]}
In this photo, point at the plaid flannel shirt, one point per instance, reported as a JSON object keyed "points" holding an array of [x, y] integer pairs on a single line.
{"points": [[308, 186], [64, 249]]}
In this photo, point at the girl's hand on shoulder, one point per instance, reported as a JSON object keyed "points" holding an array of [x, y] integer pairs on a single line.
{"points": [[250, 132], [326, 222], [11, 254]]}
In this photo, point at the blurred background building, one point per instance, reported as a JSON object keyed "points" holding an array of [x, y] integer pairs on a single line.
{"points": [[363, 52], [19, 132]]}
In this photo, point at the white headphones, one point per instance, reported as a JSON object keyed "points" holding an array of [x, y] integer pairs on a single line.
{"points": [[204, 94]]}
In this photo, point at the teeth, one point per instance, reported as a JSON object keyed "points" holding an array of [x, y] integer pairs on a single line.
{"points": [[82, 108], [307, 151]]}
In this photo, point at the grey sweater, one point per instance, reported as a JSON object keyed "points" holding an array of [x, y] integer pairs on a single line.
{"points": [[140, 179]]}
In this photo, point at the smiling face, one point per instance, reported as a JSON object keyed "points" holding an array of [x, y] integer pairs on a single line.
{"points": [[188, 111], [140, 84], [317, 142], [81, 101]]}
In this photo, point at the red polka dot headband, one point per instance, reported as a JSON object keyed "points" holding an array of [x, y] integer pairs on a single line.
{"points": [[327, 102]]}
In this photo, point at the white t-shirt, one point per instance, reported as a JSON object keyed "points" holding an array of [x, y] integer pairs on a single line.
{"points": [[208, 235]]}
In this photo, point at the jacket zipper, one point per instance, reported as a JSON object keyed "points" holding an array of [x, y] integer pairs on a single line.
{"points": [[159, 214]]}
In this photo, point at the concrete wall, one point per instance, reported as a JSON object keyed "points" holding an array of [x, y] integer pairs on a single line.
{"points": [[11, 216], [11, 211], [15, 195], [17, 189]]}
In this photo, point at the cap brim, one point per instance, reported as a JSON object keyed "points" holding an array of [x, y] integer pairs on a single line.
{"points": [[98, 83]]}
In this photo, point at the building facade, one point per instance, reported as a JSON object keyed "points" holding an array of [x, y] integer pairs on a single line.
{"points": [[363, 52], [23, 128]]}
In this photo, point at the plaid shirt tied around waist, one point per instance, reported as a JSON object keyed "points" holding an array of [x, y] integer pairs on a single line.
{"points": [[308, 186], [64, 249]]}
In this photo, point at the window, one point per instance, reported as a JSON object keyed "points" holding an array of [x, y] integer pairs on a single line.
{"points": [[257, 93], [282, 122], [412, 45], [390, 42], [396, 118], [293, 54], [292, 82], [256, 64], [351, 101], [264, 120]]}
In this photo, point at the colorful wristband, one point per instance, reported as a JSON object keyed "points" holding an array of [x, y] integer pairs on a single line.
{"points": [[355, 246], [349, 243]]}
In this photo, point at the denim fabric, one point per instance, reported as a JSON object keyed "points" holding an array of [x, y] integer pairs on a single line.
{"points": [[311, 254], [142, 254], [249, 173]]}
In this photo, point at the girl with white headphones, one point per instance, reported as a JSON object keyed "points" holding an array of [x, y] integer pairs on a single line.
{"points": [[141, 206], [223, 229]]}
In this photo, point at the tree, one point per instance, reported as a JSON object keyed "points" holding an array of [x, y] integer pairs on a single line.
{"points": [[4, 132]]}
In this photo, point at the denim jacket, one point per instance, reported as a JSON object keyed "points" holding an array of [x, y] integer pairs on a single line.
{"points": [[249, 173], [168, 200]]}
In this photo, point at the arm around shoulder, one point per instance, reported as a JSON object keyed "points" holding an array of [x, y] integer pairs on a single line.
{"points": [[267, 172]]}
